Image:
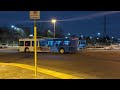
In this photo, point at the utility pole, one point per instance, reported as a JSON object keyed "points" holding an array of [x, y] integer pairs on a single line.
{"points": [[105, 33]]}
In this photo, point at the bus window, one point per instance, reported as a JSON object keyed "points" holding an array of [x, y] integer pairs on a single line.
{"points": [[57, 43], [50, 43], [27, 43], [21, 43], [66, 43], [33, 43], [42, 43]]}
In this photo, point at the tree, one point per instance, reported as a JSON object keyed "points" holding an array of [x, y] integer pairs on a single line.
{"points": [[107, 37], [27, 31], [24, 31], [43, 29], [5, 34], [59, 32], [88, 40]]}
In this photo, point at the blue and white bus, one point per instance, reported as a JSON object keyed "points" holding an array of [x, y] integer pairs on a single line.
{"points": [[59, 45]]}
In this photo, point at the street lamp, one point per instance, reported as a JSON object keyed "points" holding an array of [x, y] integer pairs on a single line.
{"points": [[112, 40], [90, 37], [12, 26], [81, 36], [68, 34], [49, 31], [54, 21], [31, 35], [18, 29], [15, 28], [98, 34]]}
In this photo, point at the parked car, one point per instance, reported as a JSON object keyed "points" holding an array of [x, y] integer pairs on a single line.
{"points": [[112, 47], [3, 45]]}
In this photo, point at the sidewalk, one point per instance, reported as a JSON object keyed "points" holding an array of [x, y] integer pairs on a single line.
{"points": [[12, 72]]}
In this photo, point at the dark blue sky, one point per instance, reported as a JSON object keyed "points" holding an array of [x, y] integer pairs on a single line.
{"points": [[79, 27]]}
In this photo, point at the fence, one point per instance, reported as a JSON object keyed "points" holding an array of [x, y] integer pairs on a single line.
{"points": [[100, 45]]}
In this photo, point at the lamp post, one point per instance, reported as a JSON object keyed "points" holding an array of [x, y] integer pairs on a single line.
{"points": [[98, 34], [54, 21], [112, 40], [12, 26], [98, 37]]}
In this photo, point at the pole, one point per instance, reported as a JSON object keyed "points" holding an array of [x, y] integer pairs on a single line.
{"points": [[54, 29], [105, 26], [35, 49]]}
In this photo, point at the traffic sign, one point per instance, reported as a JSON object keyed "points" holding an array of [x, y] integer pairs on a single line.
{"points": [[34, 14]]}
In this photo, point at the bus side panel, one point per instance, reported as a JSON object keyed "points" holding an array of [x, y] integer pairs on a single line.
{"points": [[43, 49], [21, 48], [31, 49], [66, 49], [54, 49]]}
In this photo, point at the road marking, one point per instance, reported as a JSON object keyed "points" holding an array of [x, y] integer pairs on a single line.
{"points": [[44, 71]]}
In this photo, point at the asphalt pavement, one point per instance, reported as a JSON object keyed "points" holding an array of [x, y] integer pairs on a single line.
{"points": [[87, 64]]}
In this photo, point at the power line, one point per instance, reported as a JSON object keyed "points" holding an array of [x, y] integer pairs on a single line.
{"points": [[91, 16], [78, 18]]}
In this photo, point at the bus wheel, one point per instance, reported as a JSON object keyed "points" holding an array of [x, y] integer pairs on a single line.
{"points": [[26, 49], [62, 51]]}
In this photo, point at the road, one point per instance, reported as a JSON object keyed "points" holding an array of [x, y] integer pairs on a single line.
{"points": [[87, 64]]}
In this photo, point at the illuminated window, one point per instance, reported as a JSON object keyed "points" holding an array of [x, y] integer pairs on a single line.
{"points": [[27, 43], [57, 43], [66, 42], [50, 43]]}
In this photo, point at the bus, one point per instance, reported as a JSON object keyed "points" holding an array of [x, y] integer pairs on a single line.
{"points": [[59, 45], [81, 44]]}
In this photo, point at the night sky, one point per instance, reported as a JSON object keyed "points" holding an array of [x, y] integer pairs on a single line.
{"points": [[78, 27]]}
